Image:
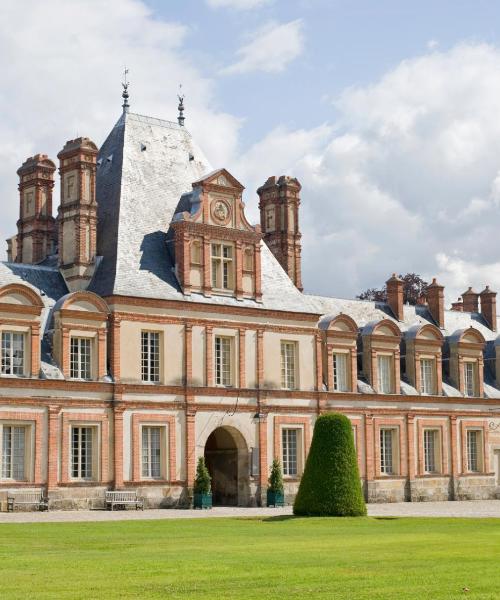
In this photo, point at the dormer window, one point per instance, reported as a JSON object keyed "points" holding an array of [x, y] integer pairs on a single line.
{"points": [[470, 378], [81, 358], [13, 353], [222, 266], [385, 369], [427, 376], [196, 252]]}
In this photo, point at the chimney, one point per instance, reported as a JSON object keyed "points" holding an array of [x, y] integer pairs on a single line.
{"points": [[471, 301], [489, 307], [279, 216], [457, 306], [395, 296], [435, 299]]}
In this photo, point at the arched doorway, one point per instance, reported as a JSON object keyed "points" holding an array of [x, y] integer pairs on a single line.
{"points": [[226, 457]]}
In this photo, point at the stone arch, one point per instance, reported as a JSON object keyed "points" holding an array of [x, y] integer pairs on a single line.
{"points": [[227, 457], [343, 323], [429, 332], [83, 300], [21, 294]]}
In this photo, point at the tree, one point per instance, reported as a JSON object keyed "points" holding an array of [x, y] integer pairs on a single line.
{"points": [[414, 288], [276, 478], [202, 482], [330, 485]]}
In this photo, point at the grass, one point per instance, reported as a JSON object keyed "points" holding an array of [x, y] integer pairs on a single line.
{"points": [[276, 557]]}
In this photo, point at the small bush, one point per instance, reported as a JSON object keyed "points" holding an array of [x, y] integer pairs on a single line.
{"points": [[276, 477], [330, 485], [202, 482]]}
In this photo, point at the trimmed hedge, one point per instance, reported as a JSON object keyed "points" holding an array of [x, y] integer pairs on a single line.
{"points": [[330, 485]]}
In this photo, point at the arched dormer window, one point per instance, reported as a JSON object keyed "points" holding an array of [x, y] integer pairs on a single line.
{"points": [[20, 311], [423, 359], [80, 328], [466, 361], [340, 367], [381, 356]]}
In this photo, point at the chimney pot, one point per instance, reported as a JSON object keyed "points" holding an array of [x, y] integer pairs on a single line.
{"points": [[395, 296], [435, 300], [489, 307], [470, 301]]}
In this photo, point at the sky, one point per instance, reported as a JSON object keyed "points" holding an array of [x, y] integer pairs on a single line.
{"points": [[387, 112]]}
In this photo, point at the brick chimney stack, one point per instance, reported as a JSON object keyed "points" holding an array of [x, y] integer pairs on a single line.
{"points": [[395, 296], [489, 307], [457, 306], [471, 301], [279, 216], [435, 299]]}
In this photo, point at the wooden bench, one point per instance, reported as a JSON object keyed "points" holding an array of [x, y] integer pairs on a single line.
{"points": [[123, 499], [27, 499]]}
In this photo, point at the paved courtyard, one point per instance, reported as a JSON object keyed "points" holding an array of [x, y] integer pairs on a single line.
{"points": [[481, 508]]}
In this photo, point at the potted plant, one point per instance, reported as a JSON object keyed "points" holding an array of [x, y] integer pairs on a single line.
{"points": [[202, 488], [275, 491]]}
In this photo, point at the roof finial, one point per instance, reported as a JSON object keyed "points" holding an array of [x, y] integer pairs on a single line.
{"points": [[181, 118], [125, 84]]}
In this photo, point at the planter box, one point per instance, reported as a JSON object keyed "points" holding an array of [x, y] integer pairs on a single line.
{"points": [[202, 501], [275, 498]]}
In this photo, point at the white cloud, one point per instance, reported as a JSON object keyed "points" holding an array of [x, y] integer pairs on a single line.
{"points": [[409, 179], [61, 77], [270, 49], [238, 4]]}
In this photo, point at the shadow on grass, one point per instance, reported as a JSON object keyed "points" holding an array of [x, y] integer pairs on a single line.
{"points": [[280, 518]]}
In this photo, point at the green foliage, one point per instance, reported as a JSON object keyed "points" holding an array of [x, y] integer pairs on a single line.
{"points": [[414, 290], [330, 485], [202, 482], [276, 477]]}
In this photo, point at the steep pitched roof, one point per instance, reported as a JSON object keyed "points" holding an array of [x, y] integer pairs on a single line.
{"points": [[144, 168]]}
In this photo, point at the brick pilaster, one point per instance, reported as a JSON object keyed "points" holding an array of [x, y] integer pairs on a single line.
{"points": [[188, 353], [115, 347], [190, 447], [369, 448], [260, 358], [53, 448], [35, 350], [101, 354], [209, 356], [242, 358]]}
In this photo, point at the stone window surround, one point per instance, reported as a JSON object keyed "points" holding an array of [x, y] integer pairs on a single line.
{"points": [[33, 420], [440, 425], [302, 423], [80, 419], [140, 419], [357, 425], [481, 426], [400, 461]]}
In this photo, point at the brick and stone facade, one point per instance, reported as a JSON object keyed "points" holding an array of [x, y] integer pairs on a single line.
{"points": [[175, 330]]}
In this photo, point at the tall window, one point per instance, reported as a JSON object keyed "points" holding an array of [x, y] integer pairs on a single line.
{"points": [[387, 451], [470, 378], [80, 358], [151, 452], [150, 356], [288, 366], [289, 446], [14, 452], [431, 440], [222, 266], [384, 367], [82, 439], [12, 353], [473, 455], [223, 355], [427, 374], [340, 373]]}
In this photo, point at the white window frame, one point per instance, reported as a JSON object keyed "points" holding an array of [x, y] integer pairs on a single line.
{"points": [[385, 381], [151, 356], [470, 378], [150, 467], [340, 366], [81, 353], [291, 451], [224, 360], [8, 357], [288, 364], [8, 471], [474, 450], [427, 376], [222, 262], [78, 464], [431, 439], [388, 451]]}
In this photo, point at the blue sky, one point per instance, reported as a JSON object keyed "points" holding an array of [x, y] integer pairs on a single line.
{"points": [[387, 112]]}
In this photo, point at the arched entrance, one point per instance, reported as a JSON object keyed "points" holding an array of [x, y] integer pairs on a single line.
{"points": [[226, 457]]}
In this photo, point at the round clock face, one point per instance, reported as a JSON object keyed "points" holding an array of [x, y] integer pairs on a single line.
{"points": [[220, 211]]}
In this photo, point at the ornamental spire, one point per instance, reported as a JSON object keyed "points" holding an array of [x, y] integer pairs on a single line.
{"points": [[125, 96], [181, 118]]}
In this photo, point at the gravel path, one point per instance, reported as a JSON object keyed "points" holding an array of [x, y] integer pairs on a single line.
{"points": [[482, 508]]}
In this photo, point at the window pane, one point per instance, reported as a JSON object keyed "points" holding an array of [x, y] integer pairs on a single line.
{"points": [[288, 367], [150, 356], [472, 450], [289, 445], [80, 358], [223, 361], [151, 452], [340, 373], [13, 452], [386, 451], [430, 447], [427, 372], [82, 452], [470, 378], [12, 360], [384, 364]]}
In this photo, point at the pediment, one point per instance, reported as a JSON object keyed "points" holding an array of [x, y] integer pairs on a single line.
{"points": [[220, 178]]}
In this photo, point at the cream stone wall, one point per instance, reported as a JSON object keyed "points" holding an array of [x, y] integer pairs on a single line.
{"points": [[251, 358], [305, 355], [199, 370]]}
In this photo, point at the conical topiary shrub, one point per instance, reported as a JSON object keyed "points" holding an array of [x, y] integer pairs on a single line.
{"points": [[202, 486], [330, 485], [276, 491]]}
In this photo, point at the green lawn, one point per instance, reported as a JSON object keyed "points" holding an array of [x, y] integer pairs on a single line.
{"points": [[253, 558]]}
